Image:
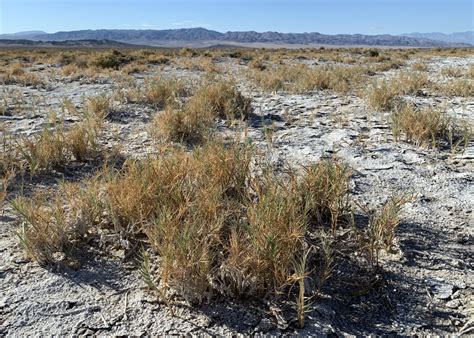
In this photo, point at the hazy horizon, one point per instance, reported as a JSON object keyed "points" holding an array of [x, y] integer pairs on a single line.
{"points": [[371, 17]]}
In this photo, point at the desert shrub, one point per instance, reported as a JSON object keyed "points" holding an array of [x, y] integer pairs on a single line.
{"points": [[456, 87], [159, 92], [410, 83], [16, 74], [52, 223], [452, 71], [192, 122], [113, 60], [187, 125], [381, 95], [430, 127], [54, 146], [420, 67], [222, 99]]}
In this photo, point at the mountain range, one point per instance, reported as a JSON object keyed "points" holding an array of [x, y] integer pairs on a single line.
{"points": [[462, 37], [196, 37]]}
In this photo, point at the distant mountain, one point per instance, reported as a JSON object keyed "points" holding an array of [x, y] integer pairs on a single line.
{"points": [[203, 37], [22, 35], [460, 37], [65, 43]]}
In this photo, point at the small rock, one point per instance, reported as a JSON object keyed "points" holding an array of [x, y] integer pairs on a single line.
{"points": [[456, 294], [441, 289], [265, 325], [453, 304]]}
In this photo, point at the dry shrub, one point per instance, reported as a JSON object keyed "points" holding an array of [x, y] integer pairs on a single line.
{"points": [[53, 222], [16, 74], [456, 87], [111, 60], [159, 91], [187, 125], [381, 95], [192, 123], [55, 146], [430, 127], [383, 223], [420, 67], [301, 78], [452, 71]]}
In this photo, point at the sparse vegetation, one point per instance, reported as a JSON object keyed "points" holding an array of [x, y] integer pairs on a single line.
{"points": [[430, 127], [188, 163]]}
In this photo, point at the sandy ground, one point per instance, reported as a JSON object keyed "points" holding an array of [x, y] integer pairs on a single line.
{"points": [[427, 286]]}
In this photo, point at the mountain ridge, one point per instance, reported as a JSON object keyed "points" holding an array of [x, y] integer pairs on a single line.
{"points": [[461, 37], [199, 34]]}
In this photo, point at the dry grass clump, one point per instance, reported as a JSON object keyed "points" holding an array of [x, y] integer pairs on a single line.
{"points": [[192, 122], [430, 127], [186, 124], [223, 100], [202, 64], [98, 106], [410, 83], [54, 146], [160, 92], [420, 67], [381, 95], [452, 71], [111, 60], [456, 87], [52, 223], [215, 225], [301, 78], [381, 230], [16, 74]]}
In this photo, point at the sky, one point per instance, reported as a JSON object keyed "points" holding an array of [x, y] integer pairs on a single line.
{"points": [[324, 16]]}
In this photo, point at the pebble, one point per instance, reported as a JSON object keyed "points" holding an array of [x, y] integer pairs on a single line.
{"points": [[453, 304]]}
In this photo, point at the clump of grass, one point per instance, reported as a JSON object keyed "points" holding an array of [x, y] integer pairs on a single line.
{"points": [[193, 122], [420, 67], [53, 223], [54, 146], [187, 125], [112, 60], [457, 87], [411, 83], [381, 95], [301, 78], [325, 189], [223, 100], [383, 224], [452, 71], [429, 127], [160, 92], [16, 74], [98, 106]]}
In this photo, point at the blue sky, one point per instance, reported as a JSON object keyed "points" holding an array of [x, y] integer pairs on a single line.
{"points": [[325, 16]]}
